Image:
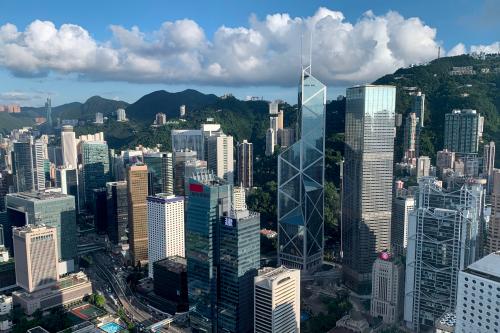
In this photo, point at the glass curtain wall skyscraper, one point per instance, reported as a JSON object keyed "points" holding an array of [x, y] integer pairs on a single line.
{"points": [[367, 180], [301, 180]]}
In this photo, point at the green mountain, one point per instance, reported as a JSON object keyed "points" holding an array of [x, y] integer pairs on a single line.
{"points": [[149, 105], [445, 92], [9, 121]]}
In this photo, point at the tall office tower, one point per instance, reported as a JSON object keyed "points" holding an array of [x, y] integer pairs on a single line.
{"points": [[55, 155], [443, 238], [99, 118], [182, 111], [418, 107], [489, 164], [410, 137], [49, 208], [160, 168], [28, 165], [193, 167], [181, 157], [462, 131], [121, 115], [36, 257], [100, 209], [287, 137], [183, 140], [477, 297], [165, 228], [137, 192], [244, 152], [277, 300], [67, 180], [4, 188], [423, 166], [48, 112], [444, 160], [281, 120], [273, 123], [301, 169], [402, 206], [493, 243], [220, 156], [387, 288], [209, 199], [270, 143], [117, 211], [68, 145], [274, 108], [239, 255], [95, 161], [367, 185]]}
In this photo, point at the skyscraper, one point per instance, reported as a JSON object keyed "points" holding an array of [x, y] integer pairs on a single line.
{"points": [[188, 140], [410, 137], [48, 112], [239, 255], [402, 206], [277, 300], [29, 165], [137, 191], [121, 115], [423, 166], [95, 160], [209, 200], [443, 238], [477, 297], [160, 168], [493, 244], [67, 180], [165, 228], [68, 145], [387, 288], [117, 207], [367, 180], [300, 183], [273, 123], [270, 143], [462, 131], [181, 157], [36, 257], [489, 164], [220, 156], [52, 209], [418, 107], [245, 164]]}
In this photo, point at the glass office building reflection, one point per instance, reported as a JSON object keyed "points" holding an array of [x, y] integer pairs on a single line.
{"points": [[367, 180], [300, 182]]}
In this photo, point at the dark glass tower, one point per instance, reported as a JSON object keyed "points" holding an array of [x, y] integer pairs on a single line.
{"points": [[239, 261], [209, 201], [117, 207], [300, 182]]}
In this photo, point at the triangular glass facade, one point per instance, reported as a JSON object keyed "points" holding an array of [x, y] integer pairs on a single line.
{"points": [[300, 182]]}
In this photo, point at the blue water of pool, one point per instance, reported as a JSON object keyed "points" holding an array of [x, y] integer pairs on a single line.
{"points": [[111, 328]]}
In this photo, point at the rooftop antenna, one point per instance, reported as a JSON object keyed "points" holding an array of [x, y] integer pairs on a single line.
{"points": [[310, 51]]}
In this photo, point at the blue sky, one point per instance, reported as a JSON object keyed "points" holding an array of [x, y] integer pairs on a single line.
{"points": [[125, 63]]}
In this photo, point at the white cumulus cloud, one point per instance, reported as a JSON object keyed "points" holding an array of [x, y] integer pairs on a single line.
{"points": [[266, 52]]}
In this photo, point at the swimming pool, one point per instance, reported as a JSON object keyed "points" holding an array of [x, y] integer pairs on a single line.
{"points": [[111, 328]]}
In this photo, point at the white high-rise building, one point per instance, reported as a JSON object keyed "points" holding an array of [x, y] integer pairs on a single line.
{"points": [[478, 296], [274, 108], [220, 156], [36, 257], [273, 123], [402, 206], [68, 145], [277, 300], [387, 288], [121, 115], [165, 228], [423, 166], [182, 111], [99, 118]]}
